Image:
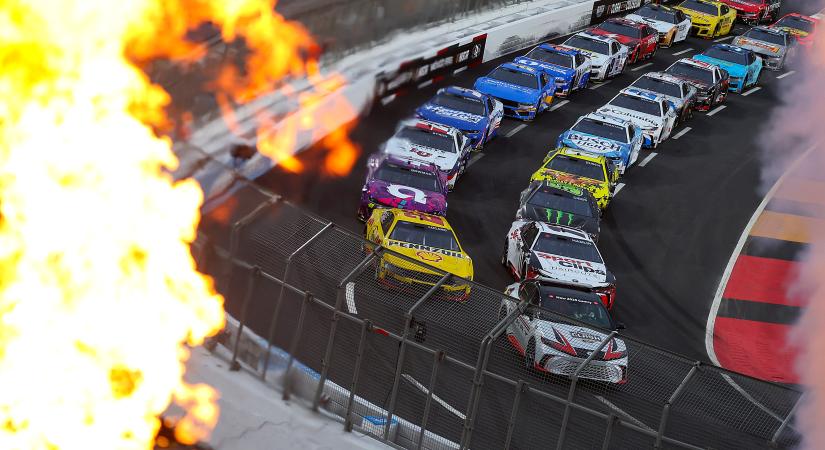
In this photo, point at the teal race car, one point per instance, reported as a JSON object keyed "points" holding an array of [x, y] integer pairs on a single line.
{"points": [[743, 65]]}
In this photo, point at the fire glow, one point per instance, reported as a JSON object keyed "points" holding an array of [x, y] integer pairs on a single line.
{"points": [[99, 294]]}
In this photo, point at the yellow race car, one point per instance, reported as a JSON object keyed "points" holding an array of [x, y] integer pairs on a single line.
{"points": [[708, 19], [595, 173], [424, 238]]}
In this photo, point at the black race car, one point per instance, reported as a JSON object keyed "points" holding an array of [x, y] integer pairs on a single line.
{"points": [[560, 204], [711, 81]]}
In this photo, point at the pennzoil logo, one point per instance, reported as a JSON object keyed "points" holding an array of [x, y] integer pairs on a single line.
{"points": [[425, 248], [428, 256]]}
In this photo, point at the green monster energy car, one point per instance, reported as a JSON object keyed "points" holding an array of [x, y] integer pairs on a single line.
{"points": [[561, 204]]}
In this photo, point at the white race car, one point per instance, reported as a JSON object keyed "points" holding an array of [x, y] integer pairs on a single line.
{"points": [[551, 342], [607, 55], [560, 255], [652, 112], [673, 25], [444, 146]]}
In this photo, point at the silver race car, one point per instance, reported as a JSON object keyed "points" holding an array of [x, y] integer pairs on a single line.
{"points": [[681, 94], [776, 47], [650, 111], [560, 328], [608, 56]]}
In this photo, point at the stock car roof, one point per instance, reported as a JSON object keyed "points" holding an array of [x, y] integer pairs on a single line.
{"points": [[597, 37], [460, 91], [555, 186], [403, 215], [409, 163], [558, 230], [656, 7], [429, 126], [560, 49], [732, 48], [664, 77], [767, 29], [695, 63], [620, 121], [625, 21], [802, 16], [707, 2], [519, 68], [580, 154], [647, 95]]}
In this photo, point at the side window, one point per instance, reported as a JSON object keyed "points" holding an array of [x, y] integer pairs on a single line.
{"points": [[614, 48], [386, 222], [680, 16], [650, 31], [717, 76], [579, 60], [489, 104], [544, 80], [528, 234], [751, 58], [725, 9], [684, 90], [631, 132], [528, 292]]}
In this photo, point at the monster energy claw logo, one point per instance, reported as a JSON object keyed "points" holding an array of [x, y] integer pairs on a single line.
{"points": [[558, 216]]}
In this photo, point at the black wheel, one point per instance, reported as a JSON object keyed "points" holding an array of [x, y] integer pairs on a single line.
{"points": [[530, 355]]}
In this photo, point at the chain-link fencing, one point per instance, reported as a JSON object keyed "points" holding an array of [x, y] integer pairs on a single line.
{"points": [[320, 297]]}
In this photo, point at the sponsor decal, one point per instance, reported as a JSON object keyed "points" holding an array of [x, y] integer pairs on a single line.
{"points": [[559, 217], [421, 153], [604, 9], [424, 217], [406, 192], [425, 248], [758, 44], [594, 143], [585, 336], [454, 113], [629, 113], [428, 256], [570, 263], [565, 187]]}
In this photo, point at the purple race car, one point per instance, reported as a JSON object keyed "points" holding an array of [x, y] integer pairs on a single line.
{"points": [[402, 183]]}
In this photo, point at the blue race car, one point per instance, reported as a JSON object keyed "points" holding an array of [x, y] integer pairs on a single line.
{"points": [[616, 138], [477, 115], [743, 65], [524, 91], [570, 67]]}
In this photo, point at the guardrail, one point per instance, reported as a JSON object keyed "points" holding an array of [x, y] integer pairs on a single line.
{"points": [[444, 368]]}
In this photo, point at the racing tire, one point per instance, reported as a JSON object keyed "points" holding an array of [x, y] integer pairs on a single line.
{"points": [[530, 355]]}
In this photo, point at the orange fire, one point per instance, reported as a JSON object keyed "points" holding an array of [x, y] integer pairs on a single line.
{"points": [[99, 294]]}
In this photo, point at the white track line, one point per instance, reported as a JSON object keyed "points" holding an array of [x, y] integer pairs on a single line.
{"points": [[682, 52], [716, 110], [438, 400], [647, 159], [619, 187], [475, 159], [349, 293], [425, 84], [757, 88], [459, 70], [559, 105], [723, 39], [515, 130], [786, 74], [643, 66], [624, 415], [681, 133], [596, 86]]}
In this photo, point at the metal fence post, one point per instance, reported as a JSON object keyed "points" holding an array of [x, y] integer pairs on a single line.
{"points": [[574, 380], [611, 420], [399, 365], [670, 401], [481, 367], [277, 312], [236, 231], [293, 347], [521, 387], [785, 422], [438, 357], [250, 289], [365, 327], [333, 329]]}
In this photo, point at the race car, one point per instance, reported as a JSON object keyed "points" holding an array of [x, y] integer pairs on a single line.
{"points": [[742, 64], [776, 47], [640, 38], [680, 93], [424, 238], [443, 146], [561, 328], [525, 92], [754, 12], [673, 25], [711, 81], [652, 112], [476, 115], [801, 27], [607, 55], [561, 204], [569, 67], [560, 255], [407, 184], [708, 18], [615, 138], [595, 173]]}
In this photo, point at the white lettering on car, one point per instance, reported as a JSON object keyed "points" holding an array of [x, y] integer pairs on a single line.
{"points": [[417, 195]]}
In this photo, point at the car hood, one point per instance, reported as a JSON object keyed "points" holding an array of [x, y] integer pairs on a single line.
{"points": [[794, 31], [454, 262], [405, 197], [760, 47], [552, 69], [735, 70], [660, 26], [639, 118], [584, 340], [588, 183], [451, 117], [554, 216], [702, 17], [597, 58], [570, 270], [507, 91], [593, 144], [405, 149]]}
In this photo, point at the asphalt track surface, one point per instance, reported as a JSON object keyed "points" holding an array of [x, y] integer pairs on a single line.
{"points": [[666, 236]]}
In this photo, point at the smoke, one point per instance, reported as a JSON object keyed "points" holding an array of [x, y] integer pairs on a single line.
{"points": [[795, 142]]}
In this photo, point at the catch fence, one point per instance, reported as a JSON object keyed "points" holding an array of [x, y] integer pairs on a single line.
{"points": [[312, 291]]}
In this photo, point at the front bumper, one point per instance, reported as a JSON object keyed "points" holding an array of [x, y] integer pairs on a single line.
{"points": [[702, 30], [771, 62], [368, 205], [606, 371], [518, 111], [736, 84], [406, 279]]}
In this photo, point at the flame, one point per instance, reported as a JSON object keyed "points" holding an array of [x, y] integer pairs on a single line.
{"points": [[99, 294]]}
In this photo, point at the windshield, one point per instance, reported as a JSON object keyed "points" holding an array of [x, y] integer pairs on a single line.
{"points": [[419, 179], [727, 55], [527, 80], [569, 247], [576, 166], [637, 104], [764, 36], [591, 312], [691, 72], [428, 235], [657, 14], [797, 23], [550, 57], [700, 7], [459, 103], [588, 44], [661, 86], [621, 29], [555, 203], [602, 129], [429, 139]]}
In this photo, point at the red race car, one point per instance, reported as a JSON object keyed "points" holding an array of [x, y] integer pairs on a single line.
{"points": [[642, 39], [801, 27], [754, 12]]}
